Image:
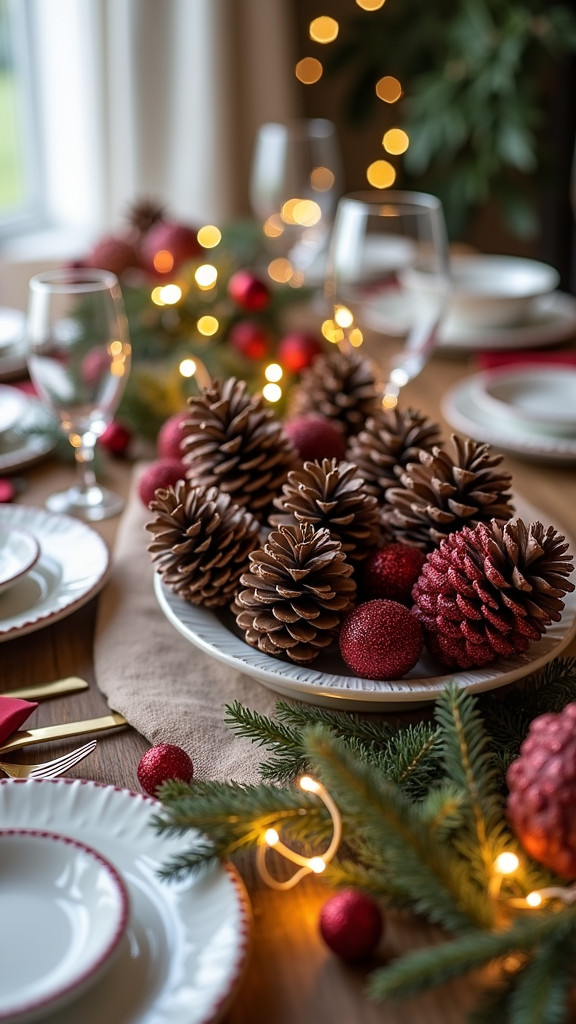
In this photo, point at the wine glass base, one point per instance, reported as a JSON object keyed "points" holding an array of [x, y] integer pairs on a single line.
{"points": [[92, 504]]}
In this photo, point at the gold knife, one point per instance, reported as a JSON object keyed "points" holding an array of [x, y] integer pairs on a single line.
{"points": [[72, 684], [58, 732]]}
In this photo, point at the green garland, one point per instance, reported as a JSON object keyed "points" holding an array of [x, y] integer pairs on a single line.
{"points": [[423, 815]]}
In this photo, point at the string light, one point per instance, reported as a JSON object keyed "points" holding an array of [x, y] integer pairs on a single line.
{"points": [[206, 276], [209, 236], [194, 367], [306, 865], [323, 29], [309, 70], [208, 325], [272, 392], [274, 373]]}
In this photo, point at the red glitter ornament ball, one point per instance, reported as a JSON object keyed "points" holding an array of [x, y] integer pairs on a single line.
{"points": [[166, 761], [391, 571], [250, 339], [116, 438], [114, 253], [542, 791], [162, 473], [351, 925], [248, 291], [381, 639], [316, 437], [297, 351], [167, 245], [170, 435]]}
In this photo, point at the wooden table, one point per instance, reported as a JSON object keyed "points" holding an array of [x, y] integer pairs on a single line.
{"points": [[290, 978]]}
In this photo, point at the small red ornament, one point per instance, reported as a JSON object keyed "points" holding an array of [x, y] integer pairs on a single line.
{"points": [[297, 351], [116, 438], [351, 925], [381, 639], [391, 571], [7, 490], [167, 245], [248, 291], [316, 437], [249, 338], [113, 253], [170, 435], [166, 761], [542, 791], [162, 473]]}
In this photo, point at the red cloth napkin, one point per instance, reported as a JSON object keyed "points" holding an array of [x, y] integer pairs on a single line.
{"points": [[495, 360], [13, 713]]}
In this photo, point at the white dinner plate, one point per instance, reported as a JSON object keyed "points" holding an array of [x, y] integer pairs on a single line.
{"points": [[67, 910], [462, 409], [20, 446], [328, 682], [72, 567], [19, 551], [541, 399], [552, 319], [185, 944]]}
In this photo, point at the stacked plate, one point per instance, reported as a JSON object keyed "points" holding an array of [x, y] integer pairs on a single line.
{"points": [[21, 441]]}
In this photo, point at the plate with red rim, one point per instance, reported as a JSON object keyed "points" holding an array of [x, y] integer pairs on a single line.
{"points": [[327, 682]]}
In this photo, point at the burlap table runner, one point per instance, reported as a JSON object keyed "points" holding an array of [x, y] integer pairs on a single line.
{"points": [[170, 691]]}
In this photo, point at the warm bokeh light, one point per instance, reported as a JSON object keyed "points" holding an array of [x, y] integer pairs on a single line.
{"points": [[274, 373], [324, 29], [298, 278], [163, 261], [389, 401], [506, 863], [309, 70], [343, 316], [170, 294], [156, 296], [308, 784], [271, 392], [271, 836], [115, 349], [370, 5], [317, 865], [388, 89], [206, 276], [322, 179], [332, 332], [533, 899], [381, 174], [209, 236], [395, 141], [208, 325], [280, 270], [355, 337], [273, 227], [187, 367], [306, 213]]}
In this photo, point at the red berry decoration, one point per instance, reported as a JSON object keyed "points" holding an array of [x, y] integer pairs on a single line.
{"points": [[166, 761], [391, 571], [249, 338], [542, 791], [316, 437], [381, 639], [162, 473], [351, 925], [170, 435], [248, 291], [116, 438], [167, 245], [297, 351]]}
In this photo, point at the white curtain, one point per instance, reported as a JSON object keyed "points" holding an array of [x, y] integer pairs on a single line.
{"points": [[157, 99]]}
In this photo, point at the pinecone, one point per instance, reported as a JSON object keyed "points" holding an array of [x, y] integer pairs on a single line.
{"points": [[490, 592], [201, 542], [542, 791], [296, 593], [444, 491], [340, 386], [233, 442], [144, 213], [330, 494], [390, 440]]}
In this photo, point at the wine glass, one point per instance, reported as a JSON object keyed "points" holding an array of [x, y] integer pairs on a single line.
{"points": [[78, 359], [388, 279], [294, 187]]}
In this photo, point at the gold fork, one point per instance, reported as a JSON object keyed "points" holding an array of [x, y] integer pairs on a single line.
{"points": [[48, 769]]}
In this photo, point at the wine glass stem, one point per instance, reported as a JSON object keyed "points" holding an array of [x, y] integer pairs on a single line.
{"points": [[84, 456]]}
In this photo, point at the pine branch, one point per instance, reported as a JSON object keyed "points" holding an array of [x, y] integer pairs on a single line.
{"points": [[285, 743], [434, 965], [540, 991]]}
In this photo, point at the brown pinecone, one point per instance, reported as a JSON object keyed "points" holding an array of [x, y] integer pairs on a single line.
{"points": [[390, 440], [341, 386], [330, 494], [143, 213], [489, 592], [201, 542], [233, 442], [295, 593], [445, 491]]}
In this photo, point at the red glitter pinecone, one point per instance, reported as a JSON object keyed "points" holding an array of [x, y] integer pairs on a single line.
{"points": [[489, 592], [542, 792]]}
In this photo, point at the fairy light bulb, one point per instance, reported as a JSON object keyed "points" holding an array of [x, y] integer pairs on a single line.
{"points": [[534, 899], [506, 863]]}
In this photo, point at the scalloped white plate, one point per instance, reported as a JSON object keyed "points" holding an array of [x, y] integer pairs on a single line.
{"points": [[20, 446], [72, 567], [67, 910], [19, 551], [185, 944], [551, 319], [328, 682]]}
